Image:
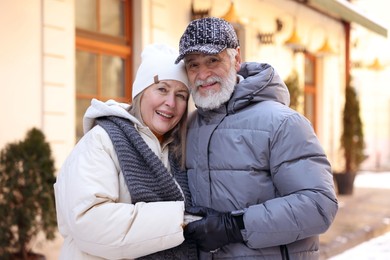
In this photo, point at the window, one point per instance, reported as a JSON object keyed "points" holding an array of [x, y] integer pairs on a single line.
{"points": [[310, 89], [103, 53]]}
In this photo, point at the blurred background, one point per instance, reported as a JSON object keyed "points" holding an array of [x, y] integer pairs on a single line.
{"points": [[57, 55]]}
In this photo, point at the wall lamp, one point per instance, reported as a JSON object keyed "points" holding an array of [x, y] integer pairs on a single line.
{"points": [[231, 15], [197, 14], [294, 42], [268, 38], [376, 65], [325, 49]]}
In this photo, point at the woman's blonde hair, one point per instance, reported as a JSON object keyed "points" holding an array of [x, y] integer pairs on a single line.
{"points": [[178, 133]]}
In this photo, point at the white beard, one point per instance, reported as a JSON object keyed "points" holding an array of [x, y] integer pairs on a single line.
{"points": [[213, 98]]}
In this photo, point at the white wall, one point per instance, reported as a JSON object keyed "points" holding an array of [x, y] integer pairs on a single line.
{"points": [[59, 76], [37, 72], [20, 68], [158, 21], [373, 85]]}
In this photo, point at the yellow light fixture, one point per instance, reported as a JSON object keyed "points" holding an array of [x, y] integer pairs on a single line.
{"points": [[376, 65], [231, 15], [325, 49], [294, 41]]}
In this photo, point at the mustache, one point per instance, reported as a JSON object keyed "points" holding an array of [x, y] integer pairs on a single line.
{"points": [[210, 80]]}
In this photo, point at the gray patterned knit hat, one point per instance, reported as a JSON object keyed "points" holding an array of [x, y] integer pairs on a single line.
{"points": [[208, 35]]}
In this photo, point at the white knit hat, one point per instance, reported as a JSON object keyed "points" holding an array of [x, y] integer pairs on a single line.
{"points": [[158, 63]]}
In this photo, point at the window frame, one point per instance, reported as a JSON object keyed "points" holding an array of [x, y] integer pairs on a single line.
{"points": [[310, 89], [103, 44]]}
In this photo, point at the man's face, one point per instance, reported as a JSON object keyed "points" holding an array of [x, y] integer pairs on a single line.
{"points": [[212, 78]]}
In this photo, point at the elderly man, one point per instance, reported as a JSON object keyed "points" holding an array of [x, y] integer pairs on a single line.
{"points": [[257, 172]]}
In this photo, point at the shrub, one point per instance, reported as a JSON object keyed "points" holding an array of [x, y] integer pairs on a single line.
{"points": [[292, 83], [27, 204], [352, 138]]}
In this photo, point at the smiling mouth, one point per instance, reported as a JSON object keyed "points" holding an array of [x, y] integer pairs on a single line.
{"points": [[208, 85], [164, 115]]}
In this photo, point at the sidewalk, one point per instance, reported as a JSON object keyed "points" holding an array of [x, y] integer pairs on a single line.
{"points": [[377, 248], [361, 216]]}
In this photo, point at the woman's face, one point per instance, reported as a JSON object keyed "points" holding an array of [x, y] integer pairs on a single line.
{"points": [[163, 104]]}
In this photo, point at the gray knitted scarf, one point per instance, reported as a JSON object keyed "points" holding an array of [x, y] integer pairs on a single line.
{"points": [[147, 179]]}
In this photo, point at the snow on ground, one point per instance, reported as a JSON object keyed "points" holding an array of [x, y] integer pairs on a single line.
{"points": [[379, 180], [377, 248]]}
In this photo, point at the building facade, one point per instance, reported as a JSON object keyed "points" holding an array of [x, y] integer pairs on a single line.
{"points": [[58, 54]]}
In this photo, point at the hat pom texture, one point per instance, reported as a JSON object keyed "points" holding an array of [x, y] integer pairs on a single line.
{"points": [[158, 60]]}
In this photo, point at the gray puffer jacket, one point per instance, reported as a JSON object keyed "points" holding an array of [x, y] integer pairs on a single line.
{"points": [[257, 154]]}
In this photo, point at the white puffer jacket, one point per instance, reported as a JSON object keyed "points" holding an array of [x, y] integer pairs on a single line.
{"points": [[94, 210]]}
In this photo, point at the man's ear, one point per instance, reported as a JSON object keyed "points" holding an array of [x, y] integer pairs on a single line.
{"points": [[238, 59]]}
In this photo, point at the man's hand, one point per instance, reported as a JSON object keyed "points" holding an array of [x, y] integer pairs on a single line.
{"points": [[214, 230]]}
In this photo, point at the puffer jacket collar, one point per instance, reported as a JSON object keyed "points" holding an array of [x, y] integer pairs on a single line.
{"points": [[261, 82]]}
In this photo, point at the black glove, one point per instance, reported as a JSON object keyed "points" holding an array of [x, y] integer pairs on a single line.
{"points": [[214, 230]]}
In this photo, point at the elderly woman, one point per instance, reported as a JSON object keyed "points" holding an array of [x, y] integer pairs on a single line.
{"points": [[121, 193]]}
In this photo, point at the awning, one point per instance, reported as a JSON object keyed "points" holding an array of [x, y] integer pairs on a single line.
{"points": [[344, 10]]}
